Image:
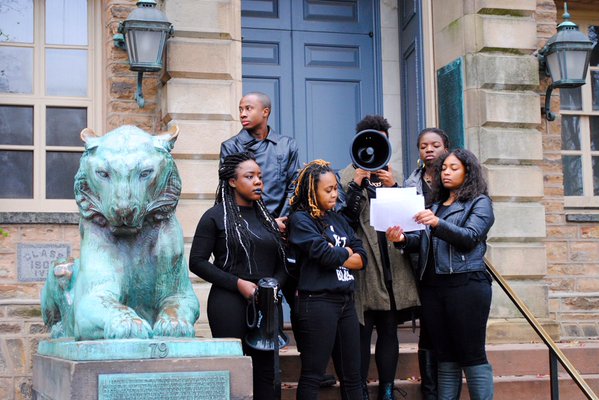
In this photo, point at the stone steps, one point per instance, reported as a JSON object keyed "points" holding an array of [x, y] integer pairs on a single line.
{"points": [[521, 371]]}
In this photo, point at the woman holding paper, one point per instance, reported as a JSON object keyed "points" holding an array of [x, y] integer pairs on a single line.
{"points": [[387, 286], [432, 144], [455, 287]]}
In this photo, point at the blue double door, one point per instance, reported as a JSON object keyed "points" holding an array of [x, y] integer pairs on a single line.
{"points": [[316, 60]]}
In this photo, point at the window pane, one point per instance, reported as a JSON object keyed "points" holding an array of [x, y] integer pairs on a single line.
{"points": [[594, 122], [570, 99], [66, 22], [16, 125], [572, 175], [595, 89], [63, 126], [595, 176], [594, 36], [16, 179], [570, 132], [16, 70], [61, 168], [63, 81], [16, 21]]}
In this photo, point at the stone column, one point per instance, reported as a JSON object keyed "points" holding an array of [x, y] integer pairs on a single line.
{"points": [[201, 94], [496, 40]]}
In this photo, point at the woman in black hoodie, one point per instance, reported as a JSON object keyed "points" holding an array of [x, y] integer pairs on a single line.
{"points": [[328, 251]]}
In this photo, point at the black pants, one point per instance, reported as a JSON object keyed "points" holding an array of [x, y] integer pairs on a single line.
{"points": [[386, 351], [455, 318], [227, 319], [328, 324]]}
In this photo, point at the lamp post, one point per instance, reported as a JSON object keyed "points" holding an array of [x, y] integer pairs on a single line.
{"points": [[144, 34], [565, 57]]}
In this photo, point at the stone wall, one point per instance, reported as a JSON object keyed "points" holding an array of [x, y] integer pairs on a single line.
{"points": [[572, 244]]}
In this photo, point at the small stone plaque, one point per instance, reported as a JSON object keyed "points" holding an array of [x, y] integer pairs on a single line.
{"points": [[206, 385], [34, 260]]}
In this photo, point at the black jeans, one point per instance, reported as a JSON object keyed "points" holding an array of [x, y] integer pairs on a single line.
{"points": [[456, 319], [386, 351], [227, 319], [328, 324]]}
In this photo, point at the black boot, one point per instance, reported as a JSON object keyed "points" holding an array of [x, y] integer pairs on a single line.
{"points": [[428, 374], [386, 391], [365, 394]]}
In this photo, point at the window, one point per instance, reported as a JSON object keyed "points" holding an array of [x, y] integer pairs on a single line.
{"points": [[48, 92], [580, 133]]}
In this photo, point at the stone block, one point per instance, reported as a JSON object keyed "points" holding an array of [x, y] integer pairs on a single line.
{"points": [[217, 18], [514, 182], [6, 388], [189, 212], [518, 221], [390, 44], [445, 12], [500, 108], [16, 355], [202, 137], [23, 388], [24, 312], [198, 176], [500, 71], [519, 331], [498, 145], [516, 34], [204, 58], [533, 295], [200, 99], [391, 77], [521, 260]]}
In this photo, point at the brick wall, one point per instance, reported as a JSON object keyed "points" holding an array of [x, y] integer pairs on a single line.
{"points": [[572, 248]]}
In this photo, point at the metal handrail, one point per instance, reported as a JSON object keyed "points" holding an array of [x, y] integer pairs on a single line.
{"points": [[554, 352]]}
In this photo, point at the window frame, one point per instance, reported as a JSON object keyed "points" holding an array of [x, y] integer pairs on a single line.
{"points": [[40, 102], [587, 200]]}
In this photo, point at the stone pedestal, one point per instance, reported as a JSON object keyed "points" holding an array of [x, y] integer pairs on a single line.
{"points": [[181, 369]]}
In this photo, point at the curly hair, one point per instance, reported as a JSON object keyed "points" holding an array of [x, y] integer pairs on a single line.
{"points": [[376, 122], [444, 137], [237, 233], [304, 197], [474, 183]]}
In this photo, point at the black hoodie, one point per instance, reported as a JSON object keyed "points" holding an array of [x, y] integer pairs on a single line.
{"points": [[320, 264]]}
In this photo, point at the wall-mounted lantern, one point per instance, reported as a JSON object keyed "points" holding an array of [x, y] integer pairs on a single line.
{"points": [[565, 57], [144, 34]]}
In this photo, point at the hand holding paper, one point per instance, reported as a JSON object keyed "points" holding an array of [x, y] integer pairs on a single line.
{"points": [[396, 206]]}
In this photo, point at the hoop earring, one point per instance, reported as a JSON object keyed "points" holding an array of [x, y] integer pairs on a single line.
{"points": [[419, 163]]}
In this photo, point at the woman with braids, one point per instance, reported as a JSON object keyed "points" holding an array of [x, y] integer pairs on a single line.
{"points": [[246, 244], [328, 251], [455, 286]]}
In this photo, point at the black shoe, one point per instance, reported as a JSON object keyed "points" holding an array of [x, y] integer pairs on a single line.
{"points": [[327, 381]]}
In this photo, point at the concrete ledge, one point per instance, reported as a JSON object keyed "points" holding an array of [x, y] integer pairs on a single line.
{"points": [[500, 71], [501, 108], [217, 99], [218, 18], [533, 295], [204, 58]]}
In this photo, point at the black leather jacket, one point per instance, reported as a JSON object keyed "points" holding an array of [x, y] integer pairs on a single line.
{"points": [[459, 240], [277, 156]]}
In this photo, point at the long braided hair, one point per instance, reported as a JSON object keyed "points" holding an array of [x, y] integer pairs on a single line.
{"points": [[238, 235], [304, 197]]}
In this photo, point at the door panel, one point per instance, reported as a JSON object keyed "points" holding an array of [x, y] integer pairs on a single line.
{"points": [[412, 102], [350, 16], [266, 14], [267, 68], [334, 84]]}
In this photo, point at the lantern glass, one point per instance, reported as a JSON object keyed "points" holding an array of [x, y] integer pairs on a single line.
{"points": [[576, 64], [553, 64], [145, 49]]}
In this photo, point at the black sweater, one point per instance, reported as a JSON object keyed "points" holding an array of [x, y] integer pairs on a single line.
{"points": [[209, 239], [320, 265]]}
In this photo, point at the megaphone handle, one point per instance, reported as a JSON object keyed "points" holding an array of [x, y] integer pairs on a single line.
{"points": [[252, 304]]}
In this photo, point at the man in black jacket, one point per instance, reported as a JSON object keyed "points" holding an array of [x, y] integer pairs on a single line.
{"points": [[277, 155]]}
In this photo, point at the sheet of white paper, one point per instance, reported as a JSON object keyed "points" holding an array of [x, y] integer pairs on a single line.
{"points": [[397, 206]]}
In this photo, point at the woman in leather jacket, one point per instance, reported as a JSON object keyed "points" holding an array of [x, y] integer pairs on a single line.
{"points": [[455, 286]]}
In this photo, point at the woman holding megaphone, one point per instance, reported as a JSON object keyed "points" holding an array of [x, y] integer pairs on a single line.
{"points": [[246, 244]]}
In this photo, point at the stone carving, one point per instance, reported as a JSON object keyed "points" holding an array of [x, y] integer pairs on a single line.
{"points": [[132, 278]]}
